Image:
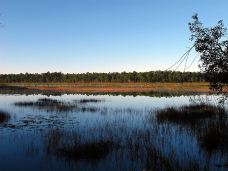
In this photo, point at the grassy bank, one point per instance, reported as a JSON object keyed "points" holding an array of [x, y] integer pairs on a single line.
{"points": [[99, 87]]}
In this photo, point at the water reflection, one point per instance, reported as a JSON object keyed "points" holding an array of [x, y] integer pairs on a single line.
{"points": [[111, 137]]}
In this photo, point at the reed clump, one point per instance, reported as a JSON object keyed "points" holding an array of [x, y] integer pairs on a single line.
{"points": [[215, 137], [72, 147], [4, 116], [90, 100], [48, 104], [189, 113]]}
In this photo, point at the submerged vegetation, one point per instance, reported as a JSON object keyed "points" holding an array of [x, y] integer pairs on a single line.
{"points": [[189, 113]]}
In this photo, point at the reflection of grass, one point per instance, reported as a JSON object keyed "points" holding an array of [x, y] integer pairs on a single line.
{"points": [[4, 117], [188, 114]]}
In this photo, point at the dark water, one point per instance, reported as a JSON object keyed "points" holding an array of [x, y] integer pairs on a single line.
{"points": [[103, 132]]}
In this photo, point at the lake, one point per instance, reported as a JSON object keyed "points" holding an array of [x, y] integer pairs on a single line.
{"points": [[104, 132]]}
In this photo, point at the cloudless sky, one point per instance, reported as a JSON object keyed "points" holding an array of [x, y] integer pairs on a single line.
{"points": [[74, 36]]}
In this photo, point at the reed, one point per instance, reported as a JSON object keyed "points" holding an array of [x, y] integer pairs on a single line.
{"points": [[189, 113], [4, 116]]}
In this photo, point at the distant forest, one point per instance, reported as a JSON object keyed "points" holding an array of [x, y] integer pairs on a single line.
{"points": [[152, 76]]}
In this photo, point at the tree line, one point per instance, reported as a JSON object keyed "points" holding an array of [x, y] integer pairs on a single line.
{"points": [[152, 76]]}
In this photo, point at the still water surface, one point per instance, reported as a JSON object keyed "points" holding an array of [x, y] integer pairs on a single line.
{"points": [[102, 132]]}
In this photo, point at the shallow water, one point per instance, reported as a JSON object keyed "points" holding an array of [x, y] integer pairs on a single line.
{"points": [[113, 133]]}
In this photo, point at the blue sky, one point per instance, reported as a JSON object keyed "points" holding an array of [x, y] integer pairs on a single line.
{"points": [[74, 36]]}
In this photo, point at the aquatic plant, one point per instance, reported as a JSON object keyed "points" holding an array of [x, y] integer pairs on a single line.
{"points": [[90, 100], [70, 146], [4, 116], [189, 113], [215, 137], [48, 104]]}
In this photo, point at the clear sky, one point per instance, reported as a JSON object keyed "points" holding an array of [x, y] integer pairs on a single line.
{"points": [[74, 36]]}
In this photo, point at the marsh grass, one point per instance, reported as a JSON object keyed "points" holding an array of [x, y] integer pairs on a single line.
{"points": [[82, 101], [148, 89], [156, 160], [146, 145], [48, 104], [207, 123], [120, 144], [89, 151], [72, 147], [4, 116], [59, 106], [52, 105], [215, 137], [189, 113]]}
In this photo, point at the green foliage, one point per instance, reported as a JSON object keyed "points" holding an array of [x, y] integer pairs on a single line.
{"points": [[212, 45], [152, 76]]}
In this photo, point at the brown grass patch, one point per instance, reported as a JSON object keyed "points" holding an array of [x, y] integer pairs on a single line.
{"points": [[98, 87]]}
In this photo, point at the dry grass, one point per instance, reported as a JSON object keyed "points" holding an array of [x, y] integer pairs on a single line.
{"points": [[98, 87]]}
